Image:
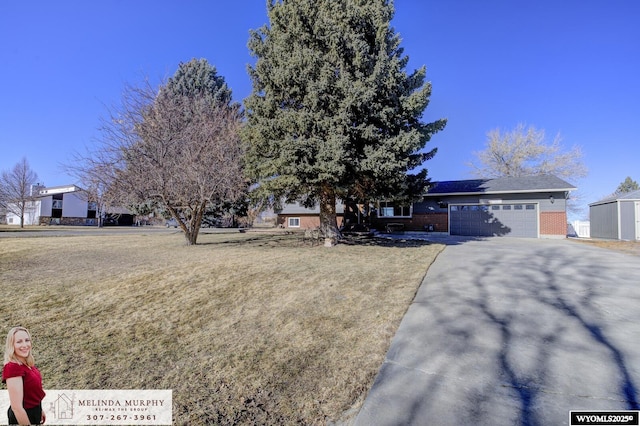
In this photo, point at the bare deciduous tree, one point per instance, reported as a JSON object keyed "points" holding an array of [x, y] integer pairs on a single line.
{"points": [[525, 152], [15, 187], [182, 151]]}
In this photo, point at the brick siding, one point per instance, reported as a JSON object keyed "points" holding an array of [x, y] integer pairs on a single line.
{"points": [[553, 223], [306, 222]]}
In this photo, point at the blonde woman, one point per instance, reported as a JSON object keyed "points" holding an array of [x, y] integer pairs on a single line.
{"points": [[23, 379]]}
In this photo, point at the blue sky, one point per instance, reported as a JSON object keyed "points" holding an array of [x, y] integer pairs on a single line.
{"points": [[570, 67]]}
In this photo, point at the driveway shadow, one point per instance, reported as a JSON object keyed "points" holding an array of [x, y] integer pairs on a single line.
{"points": [[514, 332]]}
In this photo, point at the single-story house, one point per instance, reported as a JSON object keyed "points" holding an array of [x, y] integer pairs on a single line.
{"points": [[63, 205], [533, 206], [616, 217], [296, 216]]}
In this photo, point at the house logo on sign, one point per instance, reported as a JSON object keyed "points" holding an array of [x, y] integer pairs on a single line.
{"points": [[62, 407]]}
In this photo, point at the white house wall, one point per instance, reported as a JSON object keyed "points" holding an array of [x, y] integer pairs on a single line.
{"points": [[31, 214], [45, 206], [12, 219], [74, 205]]}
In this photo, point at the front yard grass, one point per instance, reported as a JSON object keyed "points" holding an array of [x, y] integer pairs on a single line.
{"points": [[629, 247], [245, 328]]}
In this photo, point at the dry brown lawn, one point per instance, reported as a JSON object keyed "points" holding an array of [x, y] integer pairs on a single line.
{"points": [[245, 328], [629, 247]]}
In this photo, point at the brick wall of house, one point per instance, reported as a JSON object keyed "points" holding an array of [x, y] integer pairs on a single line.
{"points": [[306, 222], [69, 221], [553, 223]]}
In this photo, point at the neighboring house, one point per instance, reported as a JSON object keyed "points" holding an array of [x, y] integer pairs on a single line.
{"points": [[616, 217], [534, 207], [62, 205], [66, 205], [31, 209]]}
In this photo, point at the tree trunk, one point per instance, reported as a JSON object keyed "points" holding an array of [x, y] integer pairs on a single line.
{"points": [[192, 228], [192, 237], [328, 220]]}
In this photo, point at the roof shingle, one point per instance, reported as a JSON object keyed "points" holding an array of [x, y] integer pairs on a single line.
{"points": [[543, 183]]}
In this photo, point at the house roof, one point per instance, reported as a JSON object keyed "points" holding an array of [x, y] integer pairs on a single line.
{"points": [[633, 195], [503, 185], [297, 208], [43, 192]]}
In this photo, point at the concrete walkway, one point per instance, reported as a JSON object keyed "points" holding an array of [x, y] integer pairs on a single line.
{"points": [[514, 332]]}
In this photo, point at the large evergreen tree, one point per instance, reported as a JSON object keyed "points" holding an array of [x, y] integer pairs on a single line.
{"points": [[198, 78], [627, 185], [333, 114]]}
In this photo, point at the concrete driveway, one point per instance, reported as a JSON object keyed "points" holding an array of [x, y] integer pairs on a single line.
{"points": [[514, 332]]}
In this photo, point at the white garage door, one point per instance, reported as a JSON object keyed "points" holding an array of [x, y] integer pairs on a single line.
{"points": [[510, 220]]}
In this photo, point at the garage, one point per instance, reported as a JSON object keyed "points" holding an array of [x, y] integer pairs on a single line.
{"points": [[482, 220]]}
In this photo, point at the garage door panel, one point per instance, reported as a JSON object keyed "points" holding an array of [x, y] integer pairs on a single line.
{"points": [[514, 220]]}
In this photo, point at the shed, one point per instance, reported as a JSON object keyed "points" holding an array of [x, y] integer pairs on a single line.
{"points": [[616, 217]]}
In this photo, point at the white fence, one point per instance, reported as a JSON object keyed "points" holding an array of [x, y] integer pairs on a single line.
{"points": [[582, 228]]}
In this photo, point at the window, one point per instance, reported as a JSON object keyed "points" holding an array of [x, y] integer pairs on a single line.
{"points": [[531, 206], [506, 207], [390, 209], [92, 208], [494, 207], [57, 204], [517, 207], [294, 222]]}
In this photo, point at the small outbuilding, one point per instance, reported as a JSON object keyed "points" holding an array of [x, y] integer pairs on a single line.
{"points": [[616, 217]]}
